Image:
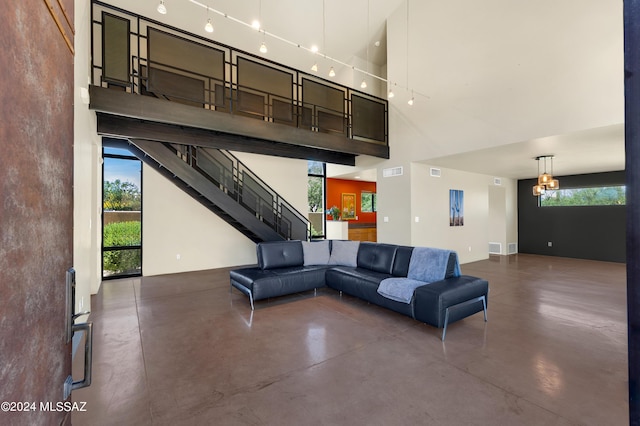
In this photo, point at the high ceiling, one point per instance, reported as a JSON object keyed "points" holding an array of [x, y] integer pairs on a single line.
{"points": [[496, 83]]}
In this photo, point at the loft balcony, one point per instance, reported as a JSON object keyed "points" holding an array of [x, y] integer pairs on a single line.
{"points": [[155, 82]]}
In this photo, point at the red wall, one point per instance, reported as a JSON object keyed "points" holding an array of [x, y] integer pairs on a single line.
{"points": [[335, 188]]}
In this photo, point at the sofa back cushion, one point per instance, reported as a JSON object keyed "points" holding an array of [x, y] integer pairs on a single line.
{"points": [[279, 254], [401, 261], [433, 264], [344, 253], [376, 257], [316, 252]]}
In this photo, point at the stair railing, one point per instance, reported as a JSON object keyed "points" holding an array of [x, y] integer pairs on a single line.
{"points": [[239, 182]]}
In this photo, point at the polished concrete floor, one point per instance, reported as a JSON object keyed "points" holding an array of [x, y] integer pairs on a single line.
{"points": [[182, 350]]}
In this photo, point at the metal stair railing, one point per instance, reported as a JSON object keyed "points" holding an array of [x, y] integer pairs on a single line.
{"points": [[235, 179]]}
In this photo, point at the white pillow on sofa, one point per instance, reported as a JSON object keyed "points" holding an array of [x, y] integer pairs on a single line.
{"points": [[315, 253], [344, 253]]}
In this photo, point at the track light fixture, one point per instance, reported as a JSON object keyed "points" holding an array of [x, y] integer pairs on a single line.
{"points": [[162, 8], [315, 49]]}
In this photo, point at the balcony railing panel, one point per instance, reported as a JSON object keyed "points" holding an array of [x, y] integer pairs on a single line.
{"points": [[146, 57]]}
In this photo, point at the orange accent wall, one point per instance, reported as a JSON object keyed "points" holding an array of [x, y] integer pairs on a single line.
{"points": [[335, 188]]}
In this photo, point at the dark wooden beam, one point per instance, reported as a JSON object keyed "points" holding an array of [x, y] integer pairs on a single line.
{"points": [[161, 111], [632, 152], [130, 128]]}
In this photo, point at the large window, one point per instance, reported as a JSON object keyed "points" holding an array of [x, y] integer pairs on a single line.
{"points": [[316, 196], [368, 202], [121, 214], [591, 196]]}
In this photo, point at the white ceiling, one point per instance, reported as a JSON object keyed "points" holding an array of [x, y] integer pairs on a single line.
{"points": [[496, 82]]}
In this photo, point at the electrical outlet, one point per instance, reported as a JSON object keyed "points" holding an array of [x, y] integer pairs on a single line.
{"points": [[469, 248], [178, 256], [417, 219], [385, 219]]}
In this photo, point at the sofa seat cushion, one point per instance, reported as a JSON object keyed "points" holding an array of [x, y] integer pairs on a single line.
{"points": [[399, 289], [365, 275], [431, 301], [263, 284], [246, 277], [363, 284]]}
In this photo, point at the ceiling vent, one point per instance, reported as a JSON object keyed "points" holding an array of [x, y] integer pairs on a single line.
{"points": [[392, 171], [497, 181], [433, 172]]}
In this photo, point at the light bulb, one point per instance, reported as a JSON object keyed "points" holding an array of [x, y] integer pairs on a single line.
{"points": [[363, 85], [410, 102], [208, 27], [314, 68], [255, 24], [263, 48], [390, 95], [332, 72], [162, 8]]}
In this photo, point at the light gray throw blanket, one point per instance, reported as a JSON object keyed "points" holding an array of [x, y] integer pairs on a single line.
{"points": [[427, 265]]}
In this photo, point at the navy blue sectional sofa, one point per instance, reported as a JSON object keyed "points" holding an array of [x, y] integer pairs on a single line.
{"points": [[359, 269]]}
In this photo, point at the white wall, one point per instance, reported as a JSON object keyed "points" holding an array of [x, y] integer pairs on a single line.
{"points": [[430, 203], [87, 172], [174, 223]]}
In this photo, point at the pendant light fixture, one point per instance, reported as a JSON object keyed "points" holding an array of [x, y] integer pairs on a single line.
{"points": [[162, 8], [546, 180], [332, 72], [209, 26]]}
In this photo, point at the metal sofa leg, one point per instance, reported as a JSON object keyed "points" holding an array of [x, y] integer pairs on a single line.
{"points": [[476, 299], [484, 306], [251, 299], [446, 322]]}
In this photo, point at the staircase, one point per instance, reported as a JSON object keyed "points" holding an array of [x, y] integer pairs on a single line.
{"points": [[223, 184]]}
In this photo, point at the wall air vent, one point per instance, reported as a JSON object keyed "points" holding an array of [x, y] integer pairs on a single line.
{"points": [[433, 172], [497, 181], [512, 248], [495, 248], [392, 171]]}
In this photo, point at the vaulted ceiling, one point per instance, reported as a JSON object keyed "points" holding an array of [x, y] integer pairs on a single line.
{"points": [[496, 82]]}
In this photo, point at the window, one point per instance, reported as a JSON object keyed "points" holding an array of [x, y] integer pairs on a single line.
{"points": [[591, 196], [121, 214], [368, 202], [316, 197]]}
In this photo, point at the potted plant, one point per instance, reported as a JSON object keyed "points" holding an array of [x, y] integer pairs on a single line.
{"points": [[334, 213]]}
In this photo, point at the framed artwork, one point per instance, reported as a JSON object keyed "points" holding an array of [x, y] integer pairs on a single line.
{"points": [[348, 206], [456, 207]]}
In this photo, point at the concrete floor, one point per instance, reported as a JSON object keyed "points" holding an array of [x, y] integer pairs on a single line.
{"points": [[181, 350]]}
